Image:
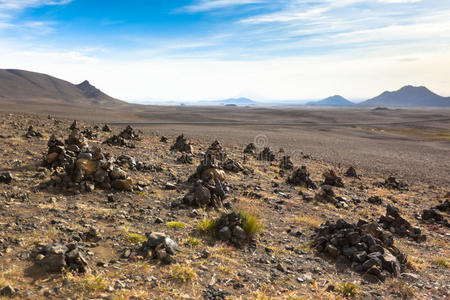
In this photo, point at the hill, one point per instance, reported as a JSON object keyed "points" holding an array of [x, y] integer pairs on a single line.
{"points": [[20, 86], [332, 101], [409, 96]]}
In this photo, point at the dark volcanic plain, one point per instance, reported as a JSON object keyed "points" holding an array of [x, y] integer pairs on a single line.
{"points": [[411, 144]]}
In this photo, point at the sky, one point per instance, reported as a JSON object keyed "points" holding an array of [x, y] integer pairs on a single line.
{"points": [[189, 50]]}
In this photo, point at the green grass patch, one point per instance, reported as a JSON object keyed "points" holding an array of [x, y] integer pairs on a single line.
{"points": [[175, 225], [348, 290], [182, 273], [134, 238], [441, 262], [192, 241], [207, 225]]}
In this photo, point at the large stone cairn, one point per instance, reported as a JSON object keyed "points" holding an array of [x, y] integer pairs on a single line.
{"points": [[208, 185], [56, 257], [300, 177], [216, 150], [229, 228], [396, 224], [129, 134], [77, 166], [368, 247], [266, 155]]}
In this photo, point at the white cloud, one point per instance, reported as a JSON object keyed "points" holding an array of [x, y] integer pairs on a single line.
{"points": [[207, 5], [21, 4]]}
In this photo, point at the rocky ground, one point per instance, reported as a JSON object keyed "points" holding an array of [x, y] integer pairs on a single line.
{"points": [[115, 213]]}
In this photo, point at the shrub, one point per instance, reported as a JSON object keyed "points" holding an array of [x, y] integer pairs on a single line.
{"points": [[192, 241], [207, 225], [250, 223], [348, 290], [441, 262]]}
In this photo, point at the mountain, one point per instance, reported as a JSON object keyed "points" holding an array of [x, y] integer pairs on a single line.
{"points": [[332, 101], [20, 86], [236, 101], [409, 96]]}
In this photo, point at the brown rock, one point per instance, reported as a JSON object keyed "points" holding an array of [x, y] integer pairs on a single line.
{"points": [[123, 185]]}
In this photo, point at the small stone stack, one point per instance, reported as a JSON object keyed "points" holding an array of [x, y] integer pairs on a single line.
{"points": [[266, 155], [32, 133], [216, 150], [393, 222], [181, 145], [106, 128], [79, 167], [74, 125], [129, 134], [89, 134], [433, 217], [159, 246], [367, 246], [286, 163], [332, 179], [250, 149], [351, 172], [116, 140], [233, 166], [392, 183], [56, 257], [229, 228], [300, 177]]}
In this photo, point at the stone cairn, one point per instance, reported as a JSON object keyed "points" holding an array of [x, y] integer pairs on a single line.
{"points": [[368, 247], [229, 228], [181, 145], [124, 138], [250, 149], [396, 224], [56, 257], [286, 163], [32, 133], [77, 166], [74, 125], [332, 179], [351, 172], [89, 134], [185, 159], [216, 150], [106, 128], [208, 185], [266, 155], [157, 246], [300, 177], [432, 215], [392, 183]]}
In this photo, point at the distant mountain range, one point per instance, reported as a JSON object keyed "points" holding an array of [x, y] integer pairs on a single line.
{"points": [[18, 86], [24, 87]]}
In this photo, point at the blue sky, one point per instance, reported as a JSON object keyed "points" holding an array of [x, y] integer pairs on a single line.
{"points": [[212, 49]]}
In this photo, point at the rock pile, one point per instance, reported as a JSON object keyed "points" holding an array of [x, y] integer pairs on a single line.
{"points": [[392, 183], [286, 163], [56, 257], [266, 155], [250, 149], [116, 140], [89, 134], [351, 172], [216, 150], [185, 159], [159, 246], [393, 222], [77, 166], [229, 228], [6, 177], [32, 133], [232, 166], [445, 207], [131, 163], [106, 128], [433, 217], [300, 177], [206, 194], [332, 179], [129, 134], [164, 139], [367, 246], [181, 145]]}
